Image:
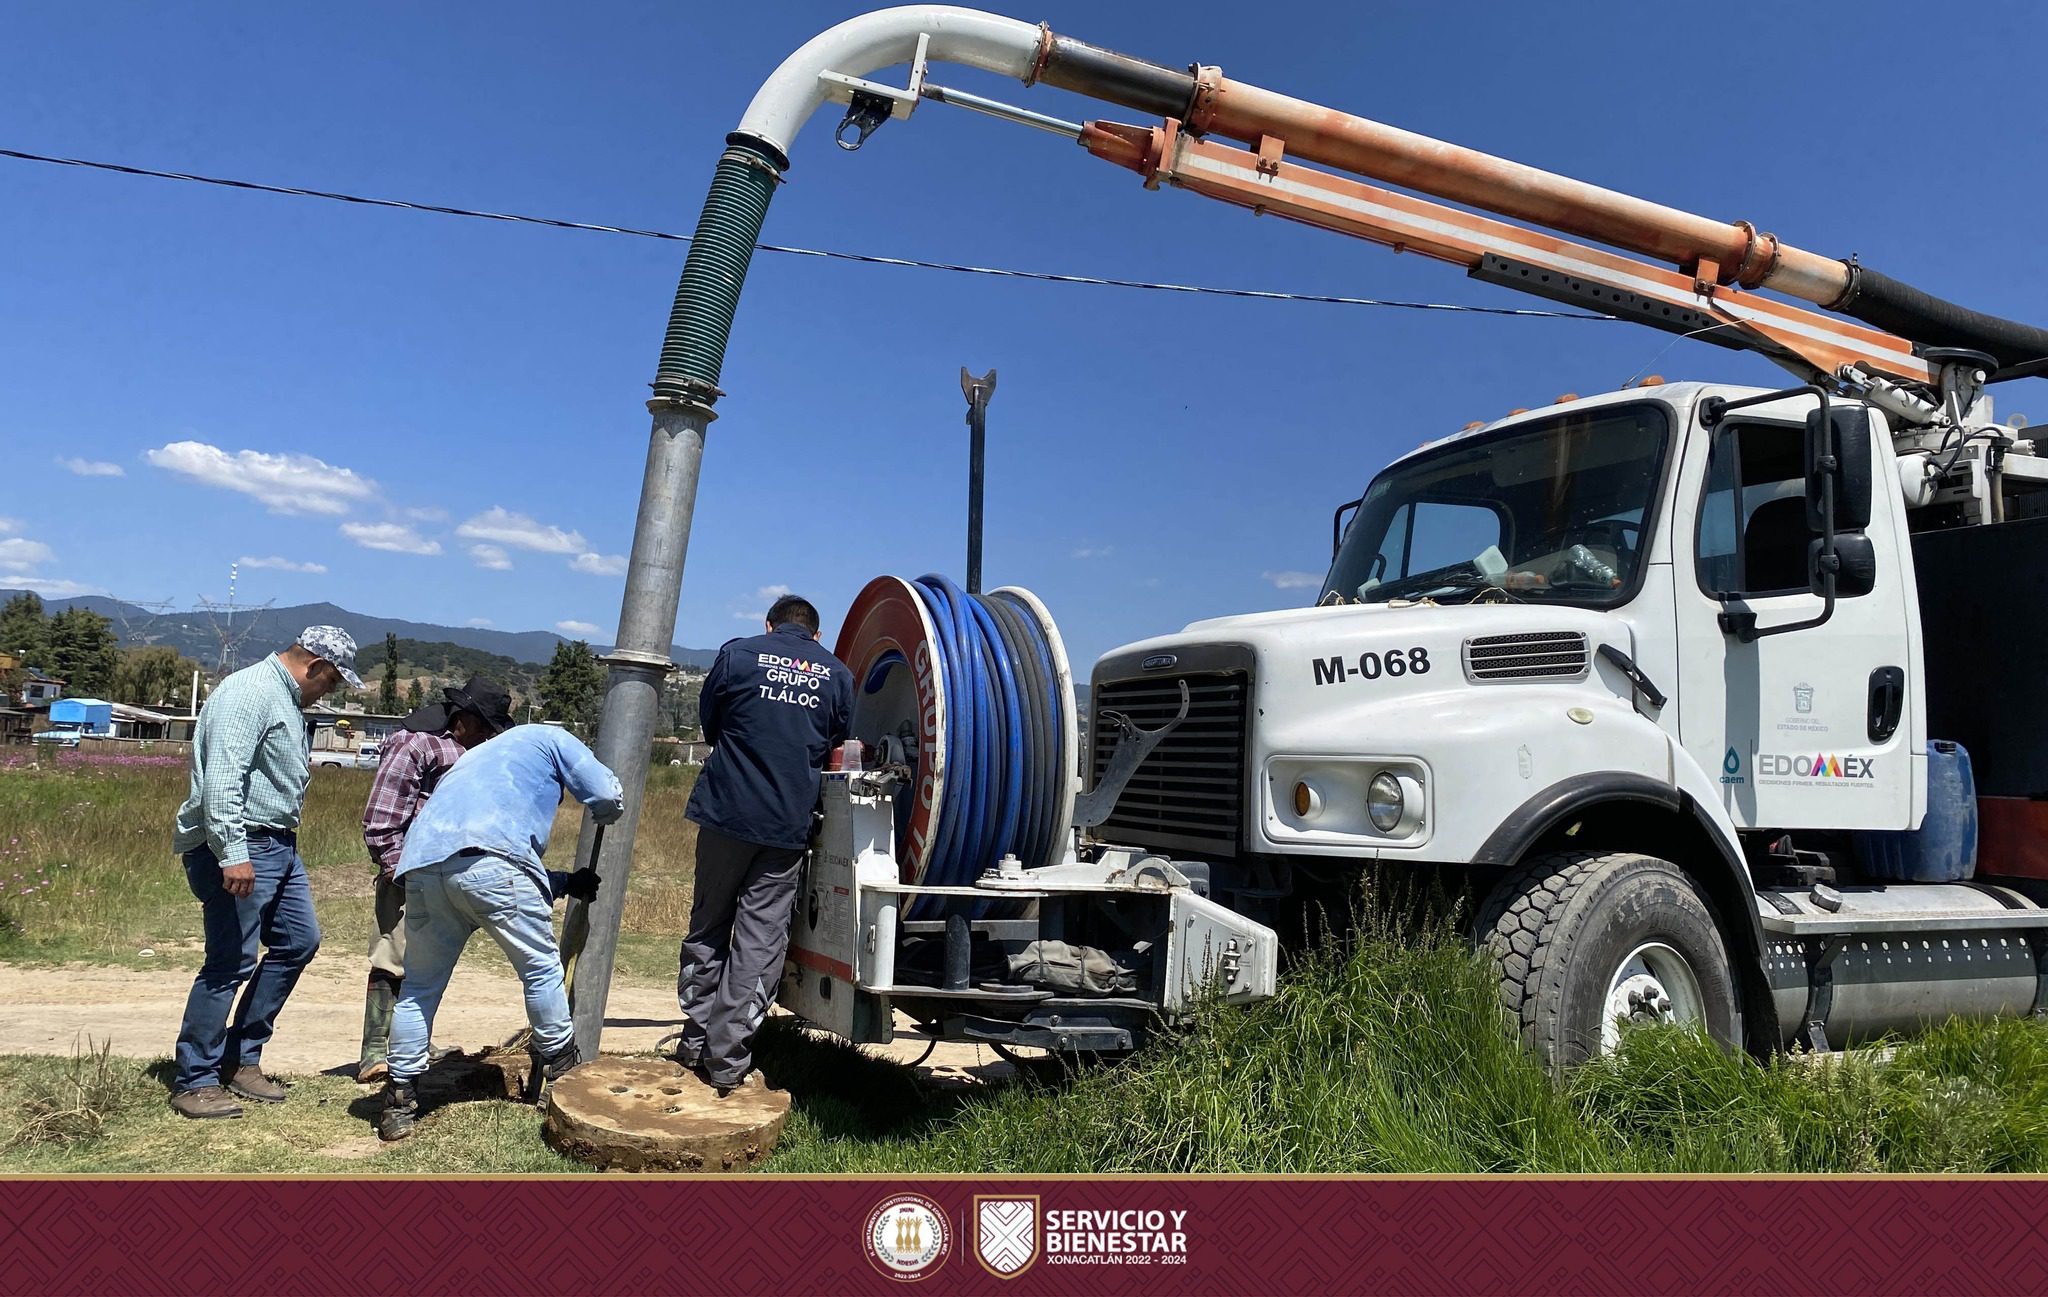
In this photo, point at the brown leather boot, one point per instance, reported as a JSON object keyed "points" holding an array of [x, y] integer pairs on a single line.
{"points": [[249, 1082], [207, 1103]]}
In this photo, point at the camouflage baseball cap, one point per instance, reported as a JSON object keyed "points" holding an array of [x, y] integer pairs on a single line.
{"points": [[336, 646]]}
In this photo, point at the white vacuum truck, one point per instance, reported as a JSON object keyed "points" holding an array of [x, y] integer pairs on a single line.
{"points": [[1692, 685]]}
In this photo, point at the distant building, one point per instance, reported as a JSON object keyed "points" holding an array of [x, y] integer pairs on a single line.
{"points": [[328, 726], [140, 723], [39, 690]]}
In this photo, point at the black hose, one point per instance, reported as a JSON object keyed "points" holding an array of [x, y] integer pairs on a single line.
{"points": [[1878, 299]]}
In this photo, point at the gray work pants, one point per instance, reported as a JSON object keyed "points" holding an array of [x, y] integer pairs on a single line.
{"points": [[732, 957]]}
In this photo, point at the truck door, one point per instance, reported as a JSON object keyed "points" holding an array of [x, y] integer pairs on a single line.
{"points": [[1811, 728]]}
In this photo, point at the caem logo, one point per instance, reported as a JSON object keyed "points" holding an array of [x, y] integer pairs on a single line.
{"points": [[907, 1237], [1006, 1235]]}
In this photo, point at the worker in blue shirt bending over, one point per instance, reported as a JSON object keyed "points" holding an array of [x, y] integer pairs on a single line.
{"points": [[473, 860], [773, 707]]}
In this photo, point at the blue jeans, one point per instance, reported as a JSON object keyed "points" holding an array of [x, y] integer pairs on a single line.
{"points": [[278, 914], [444, 903]]}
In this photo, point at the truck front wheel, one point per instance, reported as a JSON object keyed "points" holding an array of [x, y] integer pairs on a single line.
{"points": [[1587, 942]]}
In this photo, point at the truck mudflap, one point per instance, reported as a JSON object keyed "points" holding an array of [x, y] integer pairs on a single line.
{"points": [[1847, 965], [982, 971]]}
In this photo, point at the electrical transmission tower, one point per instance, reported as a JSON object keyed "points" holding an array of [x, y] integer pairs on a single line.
{"points": [[222, 616], [137, 617]]}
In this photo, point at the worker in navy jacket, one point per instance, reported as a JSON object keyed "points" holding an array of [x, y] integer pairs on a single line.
{"points": [[773, 707]]}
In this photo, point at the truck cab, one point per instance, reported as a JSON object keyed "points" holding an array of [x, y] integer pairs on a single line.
{"points": [[1584, 663]]}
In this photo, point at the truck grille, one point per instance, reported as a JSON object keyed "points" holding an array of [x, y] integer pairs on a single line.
{"points": [[1189, 793], [1537, 655]]}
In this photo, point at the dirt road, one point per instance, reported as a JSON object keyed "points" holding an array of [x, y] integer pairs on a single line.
{"points": [[47, 1010]]}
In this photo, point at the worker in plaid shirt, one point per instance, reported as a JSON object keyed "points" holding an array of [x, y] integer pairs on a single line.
{"points": [[413, 761]]}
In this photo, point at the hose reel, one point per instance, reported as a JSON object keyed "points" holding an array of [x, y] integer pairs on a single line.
{"points": [[975, 694]]}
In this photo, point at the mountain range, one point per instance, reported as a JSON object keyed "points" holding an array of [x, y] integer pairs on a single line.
{"points": [[197, 633]]}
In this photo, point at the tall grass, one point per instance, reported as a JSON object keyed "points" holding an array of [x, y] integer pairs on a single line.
{"points": [[86, 869], [70, 1104], [1391, 1055]]}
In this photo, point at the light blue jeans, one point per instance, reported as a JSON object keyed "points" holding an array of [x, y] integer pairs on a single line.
{"points": [[444, 904]]}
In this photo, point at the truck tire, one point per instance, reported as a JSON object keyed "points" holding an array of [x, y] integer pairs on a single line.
{"points": [[1584, 938]]}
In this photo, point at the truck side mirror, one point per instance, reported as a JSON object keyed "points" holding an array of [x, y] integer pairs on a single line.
{"points": [[1855, 565], [1337, 525], [1851, 470]]}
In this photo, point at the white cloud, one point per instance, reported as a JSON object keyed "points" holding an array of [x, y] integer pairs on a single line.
{"points": [[92, 467], [392, 537], [480, 622], [491, 556], [580, 629], [276, 564], [1294, 580], [288, 484], [760, 601], [501, 526], [600, 564], [51, 588], [9, 524], [19, 554], [1093, 551], [427, 515]]}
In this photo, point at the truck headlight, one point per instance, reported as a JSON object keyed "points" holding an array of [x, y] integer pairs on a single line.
{"points": [[1385, 801]]}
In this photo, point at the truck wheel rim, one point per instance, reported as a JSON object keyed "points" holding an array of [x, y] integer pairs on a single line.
{"points": [[1654, 984]]}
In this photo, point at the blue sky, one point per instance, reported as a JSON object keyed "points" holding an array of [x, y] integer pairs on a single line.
{"points": [[472, 393]]}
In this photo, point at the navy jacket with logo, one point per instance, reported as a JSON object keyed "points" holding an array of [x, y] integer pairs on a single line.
{"points": [[772, 708]]}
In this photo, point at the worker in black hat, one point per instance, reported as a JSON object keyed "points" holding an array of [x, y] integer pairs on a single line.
{"points": [[427, 743]]}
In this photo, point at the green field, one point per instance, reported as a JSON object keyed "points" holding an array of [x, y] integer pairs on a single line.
{"points": [[1386, 1056]]}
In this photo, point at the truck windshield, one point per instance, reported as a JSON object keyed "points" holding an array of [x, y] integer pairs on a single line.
{"points": [[1553, 511]]}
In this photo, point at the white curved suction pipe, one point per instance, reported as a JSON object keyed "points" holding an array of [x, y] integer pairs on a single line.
{"points": [[882, 39]]}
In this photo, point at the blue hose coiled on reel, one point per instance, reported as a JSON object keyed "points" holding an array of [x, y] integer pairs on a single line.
{"points": [[1004, 735]]}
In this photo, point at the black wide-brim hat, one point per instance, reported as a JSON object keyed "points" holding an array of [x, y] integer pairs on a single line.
{"points": [[482, 695]]}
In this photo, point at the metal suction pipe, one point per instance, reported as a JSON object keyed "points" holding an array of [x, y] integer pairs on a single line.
{"points": [[686, 389]]}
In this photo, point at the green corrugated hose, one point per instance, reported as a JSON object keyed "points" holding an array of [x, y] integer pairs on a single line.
{"points": [[694, 349]]}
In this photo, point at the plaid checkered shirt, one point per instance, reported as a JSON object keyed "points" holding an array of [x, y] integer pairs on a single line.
{"points": [[412, 764]]}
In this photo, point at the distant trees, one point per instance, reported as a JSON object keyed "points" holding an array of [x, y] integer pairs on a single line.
{"points": [[387, 695], [414, 695], [24, 631], [572, 688], [679, 698], [154, 677], [82, 652]]}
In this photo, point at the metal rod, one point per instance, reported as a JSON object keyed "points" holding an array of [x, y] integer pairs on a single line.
{"points": [[632, 700], [1007, 112], [978, 392]]}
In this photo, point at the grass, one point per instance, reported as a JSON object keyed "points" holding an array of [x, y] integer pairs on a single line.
{"points": [[1392, 1057], [322, 1129], [87, 874], [1385, 1055]]}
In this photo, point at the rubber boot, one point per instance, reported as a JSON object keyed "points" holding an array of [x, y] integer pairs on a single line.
{"points": [[400, 1112], [378, 1005], [548, 1068]]}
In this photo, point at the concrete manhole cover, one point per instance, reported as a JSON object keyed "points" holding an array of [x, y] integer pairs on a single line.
{"points": [[638, 1114]]}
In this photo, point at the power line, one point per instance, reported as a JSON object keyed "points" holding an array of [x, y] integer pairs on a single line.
{"points": [[1042, 276]]}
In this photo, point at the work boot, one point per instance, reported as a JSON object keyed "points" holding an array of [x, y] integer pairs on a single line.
{"points": [[546, 1069], [378, 1004], [207, 1103], [400, 1113], [249, 1082]]}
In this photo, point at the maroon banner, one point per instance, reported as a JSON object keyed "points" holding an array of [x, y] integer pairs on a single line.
{"points": [[756, 1234]]}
